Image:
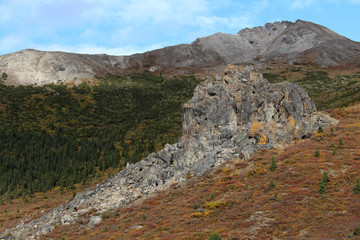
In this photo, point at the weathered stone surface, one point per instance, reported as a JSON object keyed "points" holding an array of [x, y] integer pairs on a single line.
{"points": [[229, 117], [45, 229], [94, 220]]}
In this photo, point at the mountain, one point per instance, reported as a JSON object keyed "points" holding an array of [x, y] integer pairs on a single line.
{"points": [[291, 42]]}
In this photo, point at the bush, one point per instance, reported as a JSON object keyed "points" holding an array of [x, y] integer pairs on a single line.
{"points": [[356, 188], [320, 129], [356, 231], [4, 76], [215, 236], [271, 185]]}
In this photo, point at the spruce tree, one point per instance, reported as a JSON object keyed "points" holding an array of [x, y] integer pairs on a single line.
{"points": [[320, 129], [323, 183], [273, 165], [317, 153], [341, 144], [356, 188]]}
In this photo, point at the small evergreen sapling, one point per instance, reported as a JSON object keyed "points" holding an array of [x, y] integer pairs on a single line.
{"points": [[273, 165], [246, 185], [271, 185], [356, 188], [320, 129], [356, 231], [317, 153], [341, 144], [323, 183]]}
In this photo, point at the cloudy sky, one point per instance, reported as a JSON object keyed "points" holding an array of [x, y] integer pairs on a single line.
{"points": [[122, 27]]}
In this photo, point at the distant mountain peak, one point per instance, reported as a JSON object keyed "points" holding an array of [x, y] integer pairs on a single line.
{"points": [[291, 41]]}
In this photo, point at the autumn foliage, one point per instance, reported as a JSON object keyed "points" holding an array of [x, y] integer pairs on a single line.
{"points": [[244, 200], [250, 202]]}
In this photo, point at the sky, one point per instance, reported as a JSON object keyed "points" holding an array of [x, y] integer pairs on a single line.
{"points": [[124, 27]]}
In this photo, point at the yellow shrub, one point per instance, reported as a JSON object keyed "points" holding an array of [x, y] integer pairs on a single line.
{"points": [[291, 124], [255, 128], [196, 214], [262, 139], [200, 214], [207, 213], [318, 136], [213, 205], [259, 170]]}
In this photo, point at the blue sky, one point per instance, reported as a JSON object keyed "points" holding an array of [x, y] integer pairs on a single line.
{"points": [[122, 27]]}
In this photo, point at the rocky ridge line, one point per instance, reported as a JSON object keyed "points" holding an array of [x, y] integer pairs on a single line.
{"points": [[286, 41], [228, 117]]}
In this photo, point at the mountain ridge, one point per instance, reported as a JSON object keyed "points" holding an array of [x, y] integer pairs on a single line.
{"points": [[299, 41]]}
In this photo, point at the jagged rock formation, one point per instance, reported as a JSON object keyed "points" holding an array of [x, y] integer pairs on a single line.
{"points": [[228, 117], [285, 40]]}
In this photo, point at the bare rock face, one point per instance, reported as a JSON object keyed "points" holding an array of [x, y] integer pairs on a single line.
{"points": [[228, 117], [233, 116], [36, 67]]}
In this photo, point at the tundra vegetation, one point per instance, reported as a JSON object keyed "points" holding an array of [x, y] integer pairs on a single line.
{"points": [[291, 190], [243, 200], [326, 91]]}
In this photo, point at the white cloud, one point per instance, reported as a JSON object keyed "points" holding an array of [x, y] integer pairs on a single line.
{"points": [[92, 49], [102, 26]]}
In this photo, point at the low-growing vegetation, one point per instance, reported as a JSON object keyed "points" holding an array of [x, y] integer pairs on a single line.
{"points": [[248, 202], [327, 92]]}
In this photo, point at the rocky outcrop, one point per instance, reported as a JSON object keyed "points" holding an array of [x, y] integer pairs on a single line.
{"points": [[228, 117], [285, 40]]}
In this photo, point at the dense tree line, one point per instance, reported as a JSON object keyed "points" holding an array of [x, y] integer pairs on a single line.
{"points": [[58, 135]]}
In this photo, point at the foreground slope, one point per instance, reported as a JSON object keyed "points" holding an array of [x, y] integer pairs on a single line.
{"points": [[291, 42], [230, 117], [239, 201]]}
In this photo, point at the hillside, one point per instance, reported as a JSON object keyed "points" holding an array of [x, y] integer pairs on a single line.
{"points": [[246, 200], [61, 135], [290, 42], [231, 117]]}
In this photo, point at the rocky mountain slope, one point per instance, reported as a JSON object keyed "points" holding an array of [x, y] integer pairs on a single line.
{"points": [[253, 199], [299, 41], [229, 117]]}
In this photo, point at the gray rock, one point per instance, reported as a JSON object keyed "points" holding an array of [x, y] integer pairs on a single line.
{"points": [[94, 220], [136, 227], [45, 229]]}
